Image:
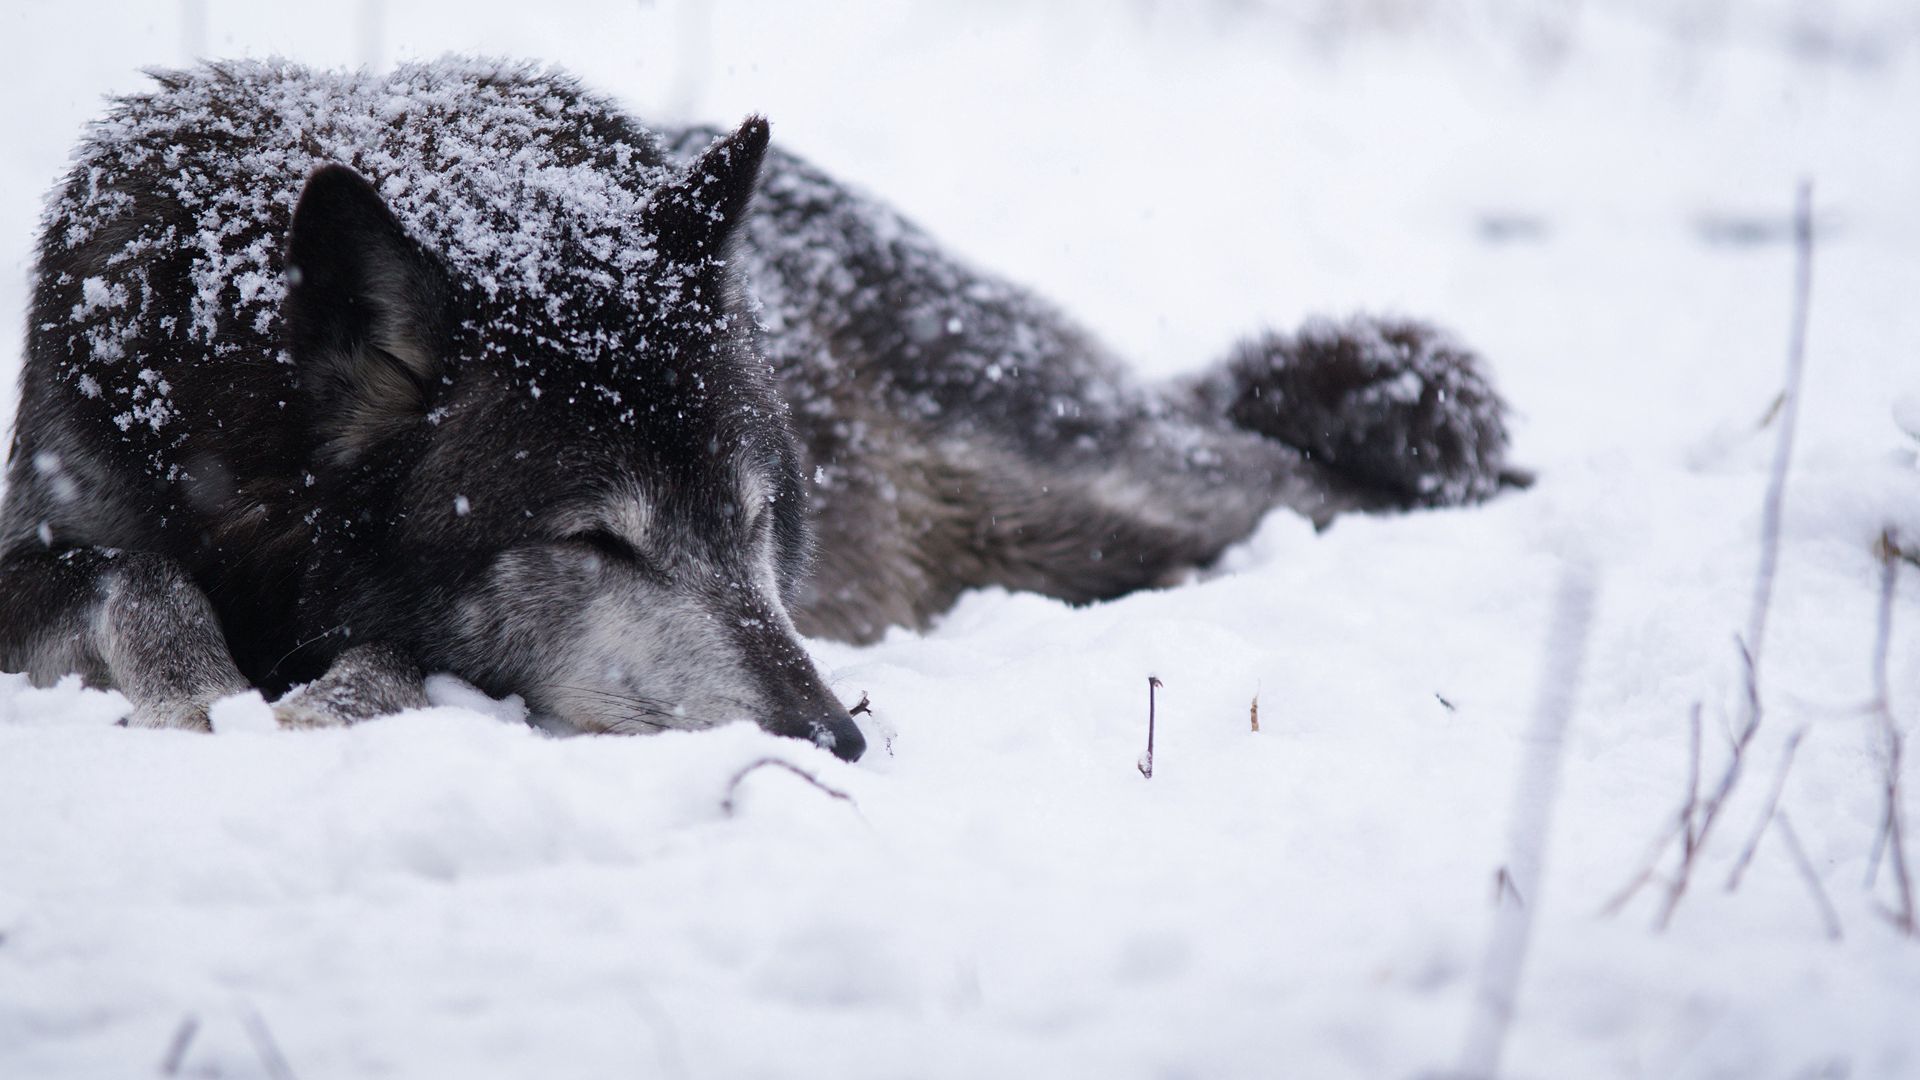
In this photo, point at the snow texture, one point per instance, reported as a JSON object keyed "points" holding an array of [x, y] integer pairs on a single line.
{"points": [[1596, 202]]}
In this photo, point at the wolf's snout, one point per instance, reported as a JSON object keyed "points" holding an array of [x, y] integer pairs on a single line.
{"points": [[842, 736], [835, 731]]}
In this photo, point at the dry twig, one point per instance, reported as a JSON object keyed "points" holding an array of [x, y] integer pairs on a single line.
{"points": [[727, 805], [1145, 764], [1698, 824], [1766, 815], [1774, 506], [177, 1047], [1688, 838], [1716, 802], [1504, 887], [264, 1045], [1891, 837], [1829, 918]]}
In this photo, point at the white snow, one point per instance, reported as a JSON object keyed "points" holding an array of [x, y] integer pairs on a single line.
{"points": [[246, 713], [1596, 201]]}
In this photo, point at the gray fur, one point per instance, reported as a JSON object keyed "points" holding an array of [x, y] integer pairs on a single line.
{"points": [[363, 682], [134, 620], [963, 433]]}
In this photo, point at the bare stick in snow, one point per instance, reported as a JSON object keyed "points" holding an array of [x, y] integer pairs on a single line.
{"points": [[1879, 849], [1253, 711], [1828, 917], [264, 1045], [733, 786], [1688, 838], [1682, 825], [1694, 838], [1503, 887], [177, 1047], [1766, 815], [1710, 811], [1891, 840], [1676, 825], [863, 707], [1774, 506], [1528, 821], [1145, 764]]}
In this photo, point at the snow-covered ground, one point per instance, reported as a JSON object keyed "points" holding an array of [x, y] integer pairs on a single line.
{"points": [[1596, 195]]}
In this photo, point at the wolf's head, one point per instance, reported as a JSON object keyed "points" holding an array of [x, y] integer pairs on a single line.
{"points": [[574, 482]]}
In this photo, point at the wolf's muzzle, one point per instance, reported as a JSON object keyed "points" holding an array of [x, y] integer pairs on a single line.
{"points": [[835, 731]]}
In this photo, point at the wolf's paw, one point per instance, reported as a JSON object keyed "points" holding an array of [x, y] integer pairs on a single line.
{"points": [[298, 710], [183, 710], [364, 682], [1392, 403], [173, 715]]}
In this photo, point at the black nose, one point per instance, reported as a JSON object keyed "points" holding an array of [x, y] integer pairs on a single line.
{"points": [[835, 731], [841, 735]]}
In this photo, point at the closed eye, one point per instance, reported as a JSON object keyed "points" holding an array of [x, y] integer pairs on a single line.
{"points": [[608, 543]]}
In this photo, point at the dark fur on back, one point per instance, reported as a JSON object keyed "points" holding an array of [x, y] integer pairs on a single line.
{"points": [[962, 433]]}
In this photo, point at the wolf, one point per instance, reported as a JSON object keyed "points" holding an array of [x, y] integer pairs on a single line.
{"points": [[335, 378]]}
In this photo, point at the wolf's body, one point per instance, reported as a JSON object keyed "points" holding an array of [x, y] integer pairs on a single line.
{"points": [[493, 402]]}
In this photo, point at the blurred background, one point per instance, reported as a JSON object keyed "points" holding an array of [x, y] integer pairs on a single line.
{"points": [[1178, 174]]}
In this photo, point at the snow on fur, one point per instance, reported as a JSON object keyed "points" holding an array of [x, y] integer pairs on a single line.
{"points": [[527, 185]]}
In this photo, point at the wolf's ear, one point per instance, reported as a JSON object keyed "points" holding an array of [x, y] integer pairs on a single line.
{"points": [[363, 314], [693, 217]]}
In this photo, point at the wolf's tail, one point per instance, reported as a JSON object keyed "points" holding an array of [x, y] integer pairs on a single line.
{"points": [[1394, 405]]}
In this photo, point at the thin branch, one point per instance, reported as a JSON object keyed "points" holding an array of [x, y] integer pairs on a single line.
{"points": [[727, 805], [1773, 410], [1145, 764], [1881, 709], [1897, 843], [177, 1047], [1893, 838], [1888, 551], [1682, 825], [1774, 506], [1528, 821], [263, 1044], [1722, 791], [1879, 849], [1504, 887], [1752, 644], [1829, 917], [1766, 815], [1892, 834], [1675, 826], [1688, 838]]}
